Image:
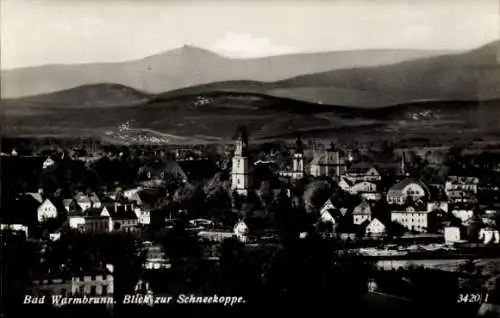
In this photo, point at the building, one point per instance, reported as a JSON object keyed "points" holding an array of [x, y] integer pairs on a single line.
{"points": [[216, 235], [96, 224], [49, 209], [330, 163], [438, 205], [362, 213], [462, 213], [327, 207], [143, 215], [156, 259], [489, 235], [375, 228], [359, 172], [240, 174], [121, 218], [241, 231], [88, 201], [132, 194], [71, 205], [408, 188], [415, 220], [457, 186], [365, 189], [452, 234], [298, 167], [298, 161], [326, 217], [49, 162], [97, 282]]}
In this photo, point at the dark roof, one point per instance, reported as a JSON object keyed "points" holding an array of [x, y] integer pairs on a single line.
{"points": [[93, 212], [149, 197], [121, 212], [403, 183], [360, 167], [349, 182], [388, 167]]}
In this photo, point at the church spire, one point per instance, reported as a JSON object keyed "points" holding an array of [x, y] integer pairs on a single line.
{"points": [[403, 164], [299, 145], [241, 142]]}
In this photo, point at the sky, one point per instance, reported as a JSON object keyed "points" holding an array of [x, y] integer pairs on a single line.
{"points": [[36, 32]]}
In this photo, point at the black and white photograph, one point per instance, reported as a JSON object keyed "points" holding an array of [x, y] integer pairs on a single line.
{"points": [[249, 158]]}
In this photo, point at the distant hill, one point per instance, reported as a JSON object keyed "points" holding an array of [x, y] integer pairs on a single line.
{"points": [[83, 96], [190, 66], [214, 116], [472, 75]]}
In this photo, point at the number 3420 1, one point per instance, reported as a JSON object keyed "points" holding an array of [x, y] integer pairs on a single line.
{"points": [[471, 298]]}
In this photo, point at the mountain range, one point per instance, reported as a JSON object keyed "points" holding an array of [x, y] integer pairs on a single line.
{"points": [[190, 66], [441, 93], [473, 75]]}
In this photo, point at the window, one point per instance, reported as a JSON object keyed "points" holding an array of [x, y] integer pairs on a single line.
{"points": [[104, 289], [81, 291], [92, 290]]}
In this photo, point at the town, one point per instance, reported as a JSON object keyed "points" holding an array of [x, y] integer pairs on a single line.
{"points": [[90, 219]]}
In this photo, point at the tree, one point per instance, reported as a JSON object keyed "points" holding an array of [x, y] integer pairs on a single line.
{"points": [[265, 193], [236, 200], [395, 229], [179, 244], [315, 195]]}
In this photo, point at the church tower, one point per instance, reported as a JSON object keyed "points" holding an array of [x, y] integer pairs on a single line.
{"points": [[240, 174], [298, 160]]}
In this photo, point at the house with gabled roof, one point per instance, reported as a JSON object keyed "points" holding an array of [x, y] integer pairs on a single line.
{"points": [[362, 213], [83, 201], [411, 188], [88, 201], [327, 207], [375, 228], [50, 209], [362, 171], [71, 205], [366, 189], [121, 218]]}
